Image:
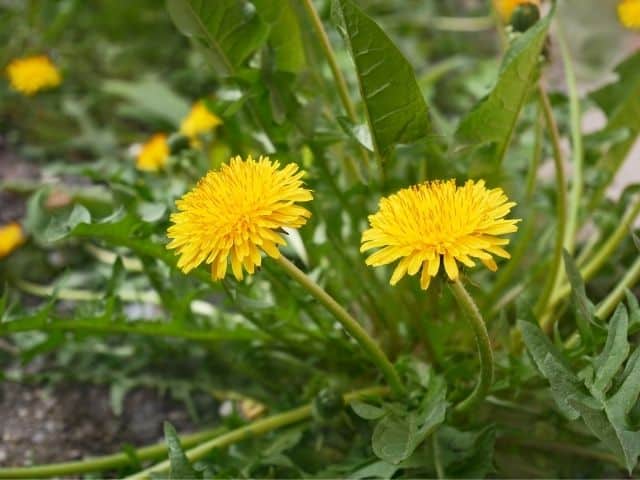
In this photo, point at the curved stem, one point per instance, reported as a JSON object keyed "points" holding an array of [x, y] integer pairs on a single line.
{"points": [[254, 429], [629, 280], [576, 143], [482, 341], [341, 83], [106, 462], [598, 260], [367, 343], [561, 203], [331, 58]]}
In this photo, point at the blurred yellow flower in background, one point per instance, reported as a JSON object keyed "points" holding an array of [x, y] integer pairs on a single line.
{"points": [[154, 154], [29, 75], [199, 120], [11, 237], [629, 13], [236, 212], [436, 222], [506, 7]]}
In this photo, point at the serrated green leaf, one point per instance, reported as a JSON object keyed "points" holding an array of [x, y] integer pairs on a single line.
{"points": [[584, 309], [180, 466], [395, 108], [615, 351], [494, 119], [634, 309], [284, 35], [606, 418], [552, 365], [230, 29]]}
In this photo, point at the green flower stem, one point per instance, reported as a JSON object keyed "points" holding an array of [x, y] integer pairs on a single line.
{"points": [[528, 212], [576, 144], [606, 307], [255, 429], [341, 83], [561, 204], [369, 345], [146, 328], [107, 462], [601, 256], [484, 346]]}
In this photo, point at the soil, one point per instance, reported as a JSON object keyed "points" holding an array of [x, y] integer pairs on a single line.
{"points": [[69, 421]]}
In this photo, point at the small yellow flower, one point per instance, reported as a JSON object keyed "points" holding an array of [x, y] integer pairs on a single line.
{"points": [[436, 222], [506, 7], [153, 154], [199, 120], [31, 74], [237, 212], [629, 13], [11, 237]]}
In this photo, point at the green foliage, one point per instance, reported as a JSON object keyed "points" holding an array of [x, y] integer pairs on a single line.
{"points": [[493, 120], [180, 466], [601, 394], [395, 108], [229, 30], [94, 296]]}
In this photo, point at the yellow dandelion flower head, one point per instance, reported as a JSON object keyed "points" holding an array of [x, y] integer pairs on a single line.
{"points": [[629, 13], [199, 120], [29, 75], [236, 212], [506, 7], [11, 237], [154, 153], [436, 222]]}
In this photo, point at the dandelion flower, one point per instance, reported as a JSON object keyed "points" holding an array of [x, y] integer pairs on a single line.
{"points": [[629, 13], [199, 120], [31, 74], [506, 7], [438, 222], [235, 213], [11, 237], [153, 154]]}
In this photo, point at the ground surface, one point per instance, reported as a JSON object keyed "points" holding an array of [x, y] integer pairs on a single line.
{"points": [[70, 421]]}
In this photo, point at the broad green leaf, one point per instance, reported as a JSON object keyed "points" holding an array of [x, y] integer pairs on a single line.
{"points": [[398, 434], [379, 469], [284, 35], [60, 227], [150, 97], [615, 351], [494, 119], [395, 108], [180, 466], [230, 29], [367, 411], [466, 454], [584, 309], [620, 101]]}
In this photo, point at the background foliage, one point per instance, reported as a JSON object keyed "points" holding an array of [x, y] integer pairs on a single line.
{"points": [[433, 90]]}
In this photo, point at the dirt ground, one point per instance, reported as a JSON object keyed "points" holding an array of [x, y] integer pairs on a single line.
{"points": [[67, 422]]}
